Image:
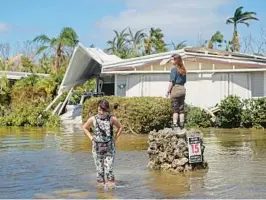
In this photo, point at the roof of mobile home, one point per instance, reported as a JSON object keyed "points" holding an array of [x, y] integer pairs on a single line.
{"points": [[86, 63]]}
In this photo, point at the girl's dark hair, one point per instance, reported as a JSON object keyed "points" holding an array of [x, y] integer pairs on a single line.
{"points": [[104, 105]]}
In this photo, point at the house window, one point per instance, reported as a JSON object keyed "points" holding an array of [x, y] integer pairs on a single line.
{"points": [[257, 84]]}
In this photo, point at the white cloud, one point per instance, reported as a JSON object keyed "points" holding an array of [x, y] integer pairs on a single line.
{"points": [[177, 18], [4, 27]]}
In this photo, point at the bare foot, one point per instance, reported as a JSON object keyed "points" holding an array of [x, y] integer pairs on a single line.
{"points": [[100, 185], [110, 185]]}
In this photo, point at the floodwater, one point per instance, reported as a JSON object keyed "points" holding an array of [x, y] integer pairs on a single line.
{"points": [[40, 163]]}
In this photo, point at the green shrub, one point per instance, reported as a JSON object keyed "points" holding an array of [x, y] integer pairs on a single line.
{"points": [[197, 117], [144, 114], [247, 117], [35, 90], [29, 116], [230, 112], [5, 94], [247, 113], [259, 112], [137, 114]]}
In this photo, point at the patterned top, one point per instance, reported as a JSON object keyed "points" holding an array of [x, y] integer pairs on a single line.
{"points": [[103, 129]]}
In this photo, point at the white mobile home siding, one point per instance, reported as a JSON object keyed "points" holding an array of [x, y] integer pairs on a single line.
{"points": [[203, 89], [264, 83], [120, 80], [258, 84]]}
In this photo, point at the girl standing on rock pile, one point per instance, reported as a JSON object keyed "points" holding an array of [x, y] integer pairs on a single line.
{"points": [[177, 90]]}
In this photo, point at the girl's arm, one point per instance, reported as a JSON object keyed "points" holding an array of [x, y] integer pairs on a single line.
{"points": [[170, 86], [86, 127], [171, 81], [118, 126]]}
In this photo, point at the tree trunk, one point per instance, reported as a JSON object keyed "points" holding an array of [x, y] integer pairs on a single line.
{"points": [[235, 40], [210, 45], [57, 63], [147, 46], [58, 58], [134, 49]]}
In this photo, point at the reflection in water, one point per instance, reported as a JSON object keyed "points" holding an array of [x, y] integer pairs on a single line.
{"points": [[67, 193], [175, 186], [22, 139], [68, 139], [76, 194], [57, 163]]}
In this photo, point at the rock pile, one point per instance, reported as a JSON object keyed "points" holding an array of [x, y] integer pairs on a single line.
{"points": [[168, 150]]}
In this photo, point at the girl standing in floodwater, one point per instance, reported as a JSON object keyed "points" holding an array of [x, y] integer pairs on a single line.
{"points": [[103, 142], [177, 90]]}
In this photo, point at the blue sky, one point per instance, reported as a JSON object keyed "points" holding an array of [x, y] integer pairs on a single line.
{"points": [[94, 20]]}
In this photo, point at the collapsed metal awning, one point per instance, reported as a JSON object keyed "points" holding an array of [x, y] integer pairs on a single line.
{"points": [[85, 64]]}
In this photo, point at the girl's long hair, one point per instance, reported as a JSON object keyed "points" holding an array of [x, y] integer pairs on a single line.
{"points": [[180, 66]]}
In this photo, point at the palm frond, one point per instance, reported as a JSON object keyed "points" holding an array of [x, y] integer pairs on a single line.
{"points": [[68, 37], [116, 33], [247, 18], [139, 35], [123, 31], [172, 44], [54, 41], [41, 49], [249, 13], [230, 20], [42, 38], [243, 22], [181, 45], [131, 33], [238, 11]]}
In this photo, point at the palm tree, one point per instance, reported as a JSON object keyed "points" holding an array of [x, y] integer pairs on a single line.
{"points": [[216, 38], [157, 40], [154, 42], [136, 40], [179, 45], [118, 45], [239, 18], [44, 64], [67, 38], [28, 64]]}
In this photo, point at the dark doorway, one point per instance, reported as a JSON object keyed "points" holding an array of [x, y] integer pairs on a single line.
{"points": [[108, 87]]}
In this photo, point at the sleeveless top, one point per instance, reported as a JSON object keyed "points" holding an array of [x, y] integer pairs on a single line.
{"points": [[103, 129]]}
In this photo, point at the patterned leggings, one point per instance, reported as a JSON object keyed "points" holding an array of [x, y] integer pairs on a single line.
{"points": [[104, 165]]}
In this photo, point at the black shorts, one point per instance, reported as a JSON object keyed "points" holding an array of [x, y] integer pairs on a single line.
{"points": [[178, 104]]}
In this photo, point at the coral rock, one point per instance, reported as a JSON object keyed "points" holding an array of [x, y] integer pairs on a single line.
{"points": [[168, 150]]}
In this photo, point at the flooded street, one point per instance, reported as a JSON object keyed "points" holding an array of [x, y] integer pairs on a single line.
{"points": [[40, 163]]}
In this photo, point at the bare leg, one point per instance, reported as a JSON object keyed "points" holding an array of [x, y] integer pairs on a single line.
{"points": [[182, 120], [182, 112], [175, 111], [175, 118]]}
